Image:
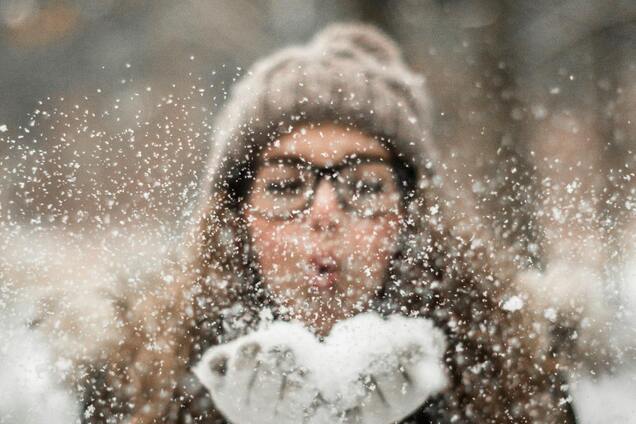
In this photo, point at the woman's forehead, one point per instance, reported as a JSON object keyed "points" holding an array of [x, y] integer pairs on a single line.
{"points": [[325, 144]]}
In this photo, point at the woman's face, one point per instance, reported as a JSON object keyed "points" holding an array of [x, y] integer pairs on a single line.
{"points": [[329, 261]]}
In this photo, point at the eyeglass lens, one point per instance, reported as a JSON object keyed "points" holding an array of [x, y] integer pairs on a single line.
{"points": [[365, 188]]}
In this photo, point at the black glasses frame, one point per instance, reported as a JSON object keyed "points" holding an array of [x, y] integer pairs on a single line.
{"points": [[328, 173]]}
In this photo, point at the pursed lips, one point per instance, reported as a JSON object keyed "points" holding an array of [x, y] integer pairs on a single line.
{"points": [[324, 270]]}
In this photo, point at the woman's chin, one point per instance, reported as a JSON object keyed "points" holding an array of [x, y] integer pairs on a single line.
{"points": [[319, 311]]}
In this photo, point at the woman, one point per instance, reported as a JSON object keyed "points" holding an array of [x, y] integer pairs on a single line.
{"points": [[321, 202]]}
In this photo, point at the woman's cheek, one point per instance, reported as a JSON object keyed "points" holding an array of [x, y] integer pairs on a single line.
{"points": [[375, 240], [277, 248], [368, 248]]}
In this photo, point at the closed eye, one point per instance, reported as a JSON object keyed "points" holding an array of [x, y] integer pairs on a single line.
{"points": [[369, 187], [284, 186]]}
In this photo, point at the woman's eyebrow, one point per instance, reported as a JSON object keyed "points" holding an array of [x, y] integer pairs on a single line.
{"points": [[285, 158], [297, 160], [364, 157]]}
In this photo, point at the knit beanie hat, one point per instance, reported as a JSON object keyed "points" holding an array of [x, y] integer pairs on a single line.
{"points": [[350, 74]]}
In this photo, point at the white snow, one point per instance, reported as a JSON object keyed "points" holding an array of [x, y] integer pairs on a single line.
{"points": [[512, 304], [610, 398], [373, 369], [31, 390], [607, 399]]}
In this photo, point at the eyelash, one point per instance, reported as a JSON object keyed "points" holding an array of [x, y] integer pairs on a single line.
{"points": [[283, 186], [369, 186]]}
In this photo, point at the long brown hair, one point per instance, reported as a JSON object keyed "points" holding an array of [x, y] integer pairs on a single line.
{"points": [[449, 270]]}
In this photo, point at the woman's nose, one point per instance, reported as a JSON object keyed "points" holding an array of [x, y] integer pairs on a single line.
{"points": [[325, 212]]}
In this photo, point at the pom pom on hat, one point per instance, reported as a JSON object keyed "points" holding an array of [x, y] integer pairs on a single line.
{"points": [[359, 39]]}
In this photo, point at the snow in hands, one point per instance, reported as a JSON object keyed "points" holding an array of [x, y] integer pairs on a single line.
{"points": [[369, 370]]}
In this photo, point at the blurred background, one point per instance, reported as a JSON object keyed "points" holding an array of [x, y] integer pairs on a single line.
{"points": [[107, 110], [114, 99]]}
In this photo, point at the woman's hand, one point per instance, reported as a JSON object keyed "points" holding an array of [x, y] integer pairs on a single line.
{"points": [[285, 375], [257, 384]]}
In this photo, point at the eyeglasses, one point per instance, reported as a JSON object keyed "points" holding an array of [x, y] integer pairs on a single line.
{"points": [[365, 186]]}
